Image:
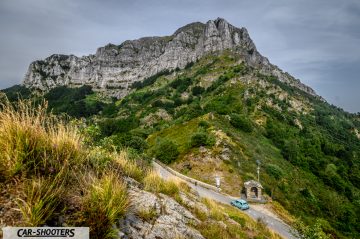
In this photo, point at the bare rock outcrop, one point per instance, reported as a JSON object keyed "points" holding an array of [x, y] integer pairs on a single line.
{"points": [[157, 216], [114, 68]]}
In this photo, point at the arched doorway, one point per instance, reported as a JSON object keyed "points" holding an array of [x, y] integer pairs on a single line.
{"points": [[254, 192]]}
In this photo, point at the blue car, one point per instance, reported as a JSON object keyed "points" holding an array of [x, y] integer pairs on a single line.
{"points": [[241, 204]]}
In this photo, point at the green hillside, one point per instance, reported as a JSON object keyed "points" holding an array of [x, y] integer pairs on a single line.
{"points": [[219, 116]]}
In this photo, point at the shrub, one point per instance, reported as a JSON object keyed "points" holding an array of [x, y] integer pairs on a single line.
{"points": [[313, 231], [166, 151], [201, 139], [181, 84], [220, 105], [241, 122], [274, 171], [130, 141], [150, 80], [204, 124], [111, 126], [197, 90]]}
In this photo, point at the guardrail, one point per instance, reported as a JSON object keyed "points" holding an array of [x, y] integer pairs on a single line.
{"points": [[186, 178]]}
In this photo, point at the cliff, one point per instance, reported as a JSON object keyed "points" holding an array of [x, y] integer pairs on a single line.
{"points": [[114, 68]]}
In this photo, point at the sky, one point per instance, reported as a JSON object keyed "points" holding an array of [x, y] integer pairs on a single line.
{"points": [[316, 41]]}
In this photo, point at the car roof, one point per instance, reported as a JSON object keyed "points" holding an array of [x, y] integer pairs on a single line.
{"points": [[241, 200]]}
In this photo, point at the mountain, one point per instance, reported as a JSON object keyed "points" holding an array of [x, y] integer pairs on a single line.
{"points": [[216, 110], [114, 68]]}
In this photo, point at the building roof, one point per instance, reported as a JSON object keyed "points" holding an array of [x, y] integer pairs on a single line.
{"points": [[252, 183]]}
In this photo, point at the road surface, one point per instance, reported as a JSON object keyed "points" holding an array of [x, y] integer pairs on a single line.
{"points": [[273, 223]]}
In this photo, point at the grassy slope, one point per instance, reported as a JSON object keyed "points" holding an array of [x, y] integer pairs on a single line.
{"points": [[297, 187], [308, 149], [52, 178]]}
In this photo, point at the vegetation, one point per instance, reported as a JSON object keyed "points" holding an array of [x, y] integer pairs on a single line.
{"points": [[166, 151], [309, 150], [240, 122], [242, 228], [73, 101], [46, 163], [202, 139], [153, 183]]}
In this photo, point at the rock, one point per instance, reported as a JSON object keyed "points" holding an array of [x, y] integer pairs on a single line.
{"points": [[225, 154], [114, 68], [171, 218]]}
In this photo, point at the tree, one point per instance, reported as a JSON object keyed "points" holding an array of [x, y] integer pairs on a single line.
{"points": [[166, 151], [310, 232], [197, 90], [201, 139], [241, 122]]}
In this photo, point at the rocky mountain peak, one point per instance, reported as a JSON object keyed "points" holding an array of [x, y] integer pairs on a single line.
{"points": [[114, 68]]}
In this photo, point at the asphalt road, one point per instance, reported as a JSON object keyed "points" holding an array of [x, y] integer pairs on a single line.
{"points": [[273, 223]]}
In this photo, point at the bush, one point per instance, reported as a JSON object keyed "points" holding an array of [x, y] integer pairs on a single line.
{"points": [[197, 90], [166, 151], [201, 139], [130, 141], [181, 84], [111, 126], [241, 122], [274, 171], [150, 80], [221, 105], [204, 124]]}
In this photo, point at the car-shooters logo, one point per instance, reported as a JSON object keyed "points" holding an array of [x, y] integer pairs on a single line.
{"points": [[46, 232]]}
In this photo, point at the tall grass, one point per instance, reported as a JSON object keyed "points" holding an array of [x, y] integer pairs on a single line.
{"points": [[106, 200], [46, 158], [154, 183], [42, 197], [128, 167], [35, 142]]}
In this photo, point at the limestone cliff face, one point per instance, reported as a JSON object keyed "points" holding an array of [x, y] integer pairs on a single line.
{"points": [[113, 69]]}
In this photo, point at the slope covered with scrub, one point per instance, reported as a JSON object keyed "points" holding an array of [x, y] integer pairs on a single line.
{"points": [[50, 174], [219, 115], [206, 102]]}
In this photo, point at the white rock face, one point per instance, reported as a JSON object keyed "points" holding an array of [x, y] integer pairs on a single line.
{"points": [[113, 69], [169, 220]]}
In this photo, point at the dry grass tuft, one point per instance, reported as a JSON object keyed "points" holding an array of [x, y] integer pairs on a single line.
{"points": [[35, 142], [129, 167], [105, 201], [45, 160], [154, 183], [42, 197]]}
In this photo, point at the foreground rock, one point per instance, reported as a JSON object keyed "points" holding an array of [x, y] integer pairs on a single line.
{"points": [[154, 217]]}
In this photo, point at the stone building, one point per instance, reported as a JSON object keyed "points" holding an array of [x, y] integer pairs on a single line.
{"points": [[253, 190]]}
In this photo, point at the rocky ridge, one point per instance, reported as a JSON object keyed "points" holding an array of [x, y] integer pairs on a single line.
{"points": [[114, 68]]}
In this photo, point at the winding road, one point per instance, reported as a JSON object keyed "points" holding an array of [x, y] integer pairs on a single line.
{"points": [[273, 223]]}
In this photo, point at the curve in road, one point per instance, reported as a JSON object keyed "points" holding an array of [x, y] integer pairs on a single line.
{"points": [[275, 224]]}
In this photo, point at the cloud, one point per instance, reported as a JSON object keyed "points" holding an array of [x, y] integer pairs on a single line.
{"points": [[316, 41]]}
